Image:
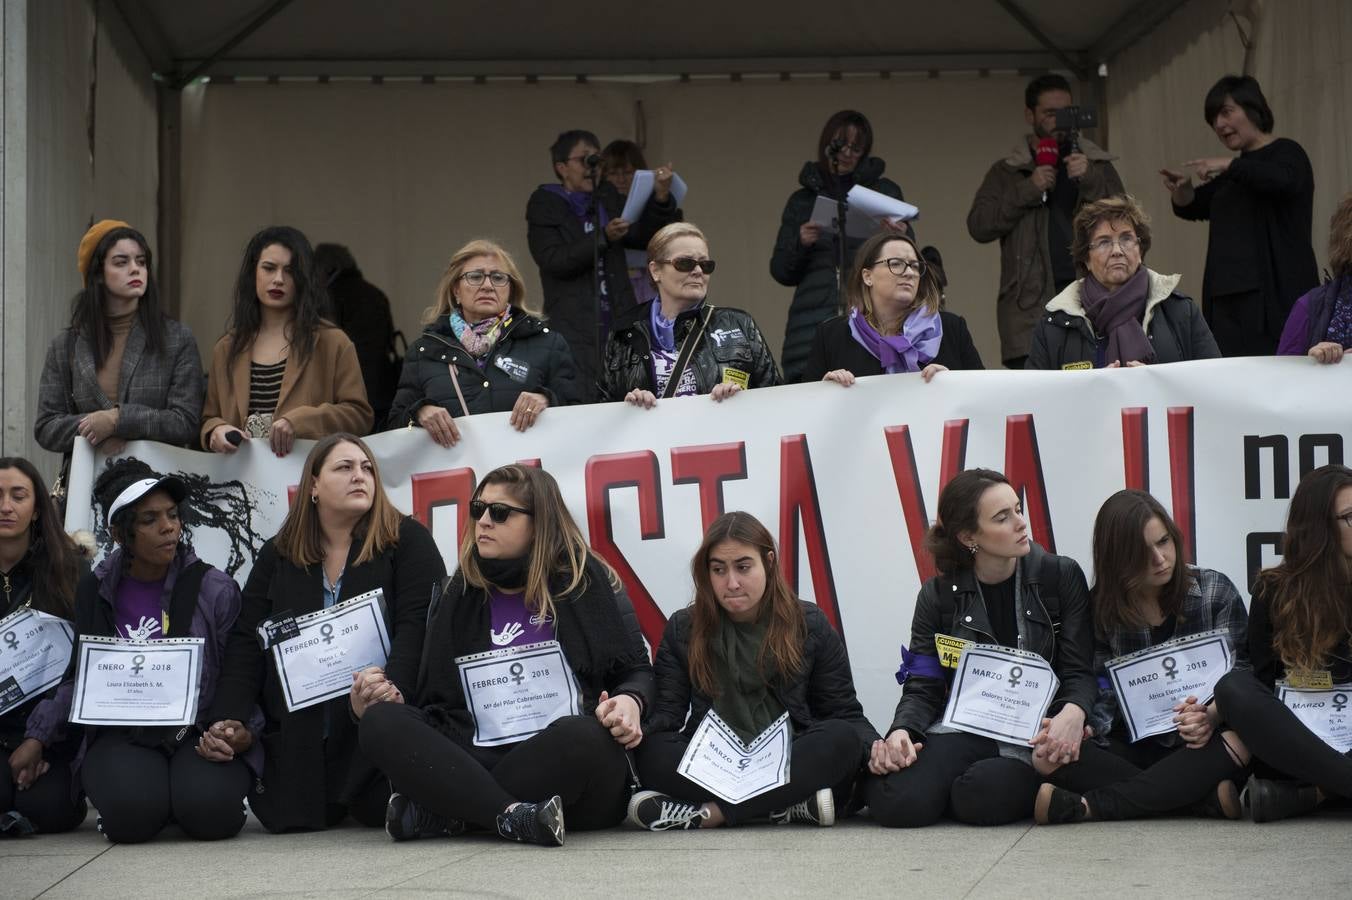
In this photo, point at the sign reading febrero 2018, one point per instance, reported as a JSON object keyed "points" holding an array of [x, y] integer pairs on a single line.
{"points": [[847, 478]]}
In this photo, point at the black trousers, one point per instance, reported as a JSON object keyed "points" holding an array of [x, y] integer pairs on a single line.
{"points": [[575, 758], [51, 803], [1135, 781], [826, 755], [1242, 324], [138, 790], [1277, 738]]}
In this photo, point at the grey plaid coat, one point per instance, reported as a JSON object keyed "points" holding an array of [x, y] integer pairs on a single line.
{"points": [[160, 394]]}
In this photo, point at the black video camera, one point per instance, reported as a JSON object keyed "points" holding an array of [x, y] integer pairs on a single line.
{"points": [[1070, 119]]}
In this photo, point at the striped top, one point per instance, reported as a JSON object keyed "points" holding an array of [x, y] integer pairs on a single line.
{"points": [[265, 386]]}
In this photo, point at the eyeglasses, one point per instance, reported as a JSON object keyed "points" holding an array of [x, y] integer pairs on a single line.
{"points": [[498, 512], [495, 278], [688, 263], [580, 159], [898, 266], [1128, 243], [1346, 519], [852, 149]]}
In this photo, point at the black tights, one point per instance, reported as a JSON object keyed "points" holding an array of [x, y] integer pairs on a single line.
{"points": [[575, 758], [826, 755], [51, 803]]}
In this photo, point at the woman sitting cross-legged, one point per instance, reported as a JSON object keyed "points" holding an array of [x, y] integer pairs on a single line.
{"points": [[749, 652], [533, 680]]}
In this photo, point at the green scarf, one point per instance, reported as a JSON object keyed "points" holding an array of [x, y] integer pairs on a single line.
{"points": [[744, 700]]}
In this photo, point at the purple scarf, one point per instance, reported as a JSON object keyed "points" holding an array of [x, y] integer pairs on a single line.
{"points": [[580, 202], [1117, 315], [910, 351]]}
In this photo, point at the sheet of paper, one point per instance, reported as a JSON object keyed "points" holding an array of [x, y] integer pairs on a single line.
{"points": [[317, 664], [1000, 693], [642, 188], [35, 650], [717, 760], [1150, 683], [121, 682], [1325, 712], [514, 693], [865, 212]]}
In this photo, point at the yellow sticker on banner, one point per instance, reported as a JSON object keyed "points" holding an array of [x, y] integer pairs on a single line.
{"points": [[1310, 680], [1077, 366], [737, 377], [950, 650]]}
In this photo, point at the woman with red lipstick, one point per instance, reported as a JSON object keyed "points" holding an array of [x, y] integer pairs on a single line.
{"points": [[281, 372], [341, 538], [122, 371], [533, 682], [482, 351], [1259, 256]]}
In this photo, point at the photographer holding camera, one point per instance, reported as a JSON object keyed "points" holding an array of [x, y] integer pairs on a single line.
{"points": [[1027, 202]]}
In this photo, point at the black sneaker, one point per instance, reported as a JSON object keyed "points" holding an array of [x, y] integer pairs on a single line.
{"points": [[1265, 800], [406, 821], [819, 809], [15, 824], [660, 812], [1057, 806], [534, 823]]}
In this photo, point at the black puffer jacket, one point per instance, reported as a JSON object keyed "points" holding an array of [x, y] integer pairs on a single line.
{"points": [[812, 270], [1061, 631], [824, 689], [529, 356], [563, 251], [732, 342]]}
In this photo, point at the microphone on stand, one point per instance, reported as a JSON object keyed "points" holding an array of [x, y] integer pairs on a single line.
{"points": [[1048, 154]]}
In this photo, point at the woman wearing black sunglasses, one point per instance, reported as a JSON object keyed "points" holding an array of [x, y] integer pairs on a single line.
{"points": [[680, 345], [483, 350], [341, 538], [532, 686], [894, 323]]}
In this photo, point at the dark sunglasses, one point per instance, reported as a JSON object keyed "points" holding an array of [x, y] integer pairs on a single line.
{"points": [[498, 512], [688, 263]]}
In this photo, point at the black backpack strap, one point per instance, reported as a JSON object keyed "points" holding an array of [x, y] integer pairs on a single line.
{"points": [[183, 602]]}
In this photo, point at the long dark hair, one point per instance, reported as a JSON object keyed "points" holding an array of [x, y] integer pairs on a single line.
{"points": [[842, 121], [88, 315], [781, 652], [1307, 593], [959, 511], [307, 308], [55, 566], [1121, 559]]}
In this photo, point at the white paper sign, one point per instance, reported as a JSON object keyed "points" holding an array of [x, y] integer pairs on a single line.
{"points": [[35, 650], [121, 682], [1151, 682], [514, 693], [1326, 712], [865, 212], [641, 188], [317, 664], [718, 761], [1000, 693]]}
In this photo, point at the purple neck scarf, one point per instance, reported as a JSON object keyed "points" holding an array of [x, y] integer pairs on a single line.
{"points": [[580, 202], [910, 351], [1117, 315]]}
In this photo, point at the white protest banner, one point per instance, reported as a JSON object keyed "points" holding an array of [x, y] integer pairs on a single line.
{"points": [[329, 645], [1326, 711], [35, 650], [1000, 693], [1151, 682], [120, 682], [717, 760], [514, 693], [847, 478]]}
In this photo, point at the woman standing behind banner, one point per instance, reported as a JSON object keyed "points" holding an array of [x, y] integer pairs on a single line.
{"points": [[341, 538], [619, 161], [995, 587], [122, 371], [1143, 595], [151, 587], [281, 372], [1320, 323], [482, 351], [38, 571], [529, 597], [894, 323], [718, 350], [750, 652], [1299, 623]]}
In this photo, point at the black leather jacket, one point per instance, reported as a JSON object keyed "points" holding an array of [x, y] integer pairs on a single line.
{"points": [[1061, 631], [731, 342]]}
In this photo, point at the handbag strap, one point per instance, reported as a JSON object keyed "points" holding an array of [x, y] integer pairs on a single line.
{"points": [[688, 347]]}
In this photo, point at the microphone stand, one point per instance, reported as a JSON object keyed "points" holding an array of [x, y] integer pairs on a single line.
{"points": [[594, 215], [842, 210]]}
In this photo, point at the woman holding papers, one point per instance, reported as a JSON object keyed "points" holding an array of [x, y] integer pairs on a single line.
{"points": [[758, 672], [680, 345], [482, 351], [282, 372], [533, 682], [992, 636], [154, 588], [806, 256], [1299, 623], [1170, 753], [894, 323], [38, 572], [346, 566]]}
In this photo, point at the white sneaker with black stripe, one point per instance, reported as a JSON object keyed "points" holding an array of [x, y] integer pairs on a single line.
{"points": [[659, 812], [819, 809]]}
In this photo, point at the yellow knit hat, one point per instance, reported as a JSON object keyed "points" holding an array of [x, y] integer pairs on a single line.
{"points": [[96, 233]]}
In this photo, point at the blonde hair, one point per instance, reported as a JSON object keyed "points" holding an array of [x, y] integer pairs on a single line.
{"points": [[666, 236], [444, 301], [558, 550], [300, 539], [928, 294]]}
